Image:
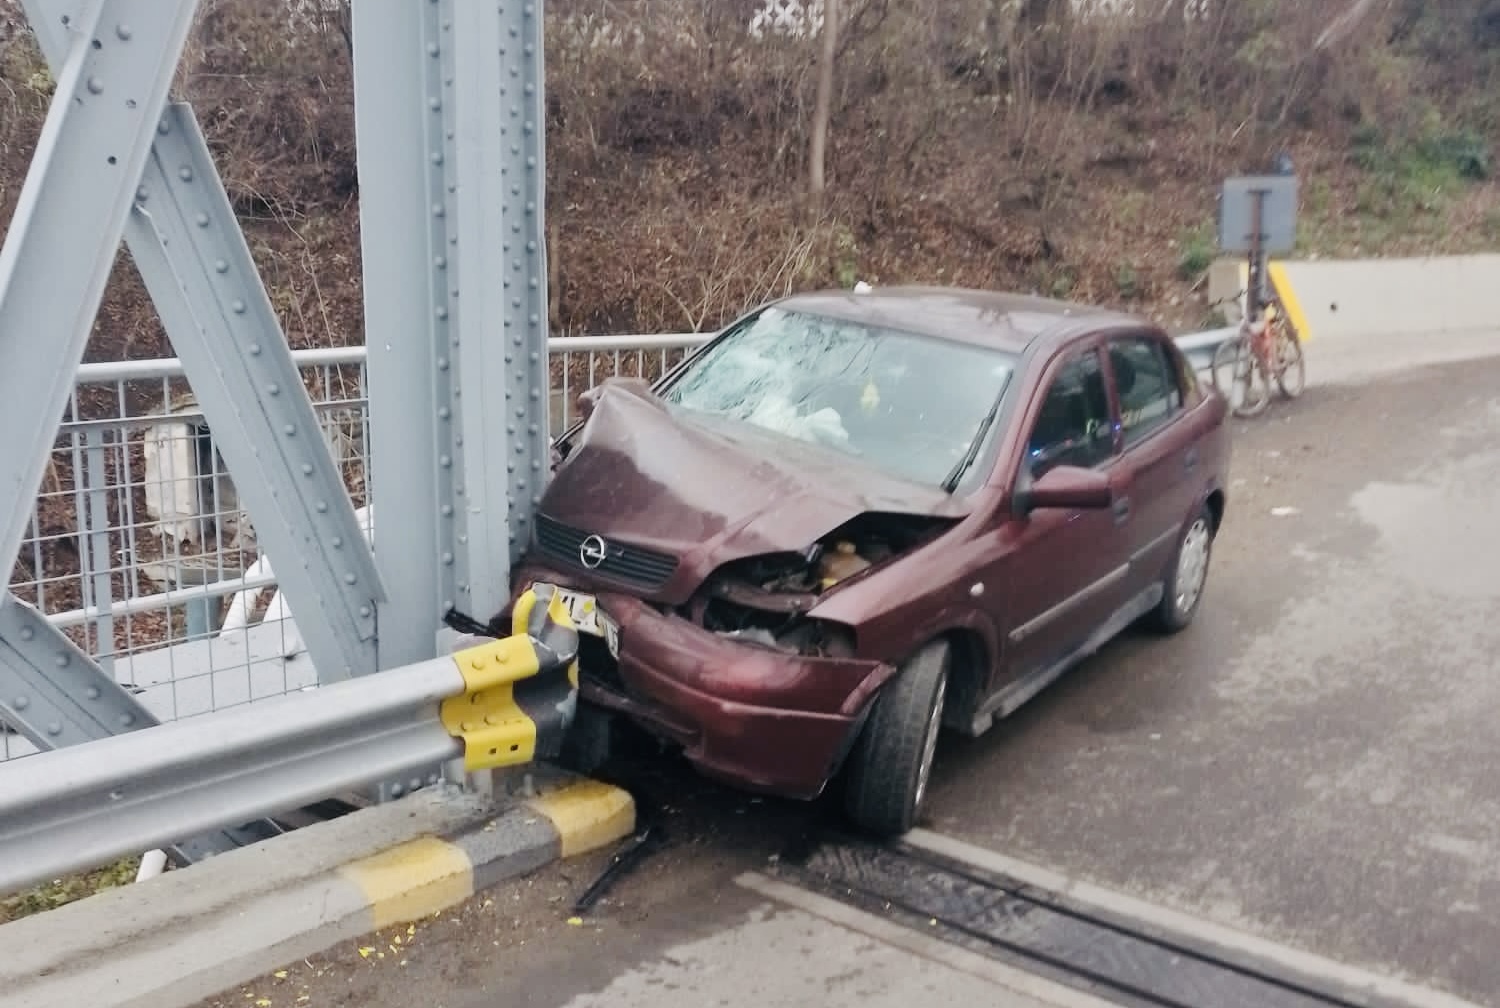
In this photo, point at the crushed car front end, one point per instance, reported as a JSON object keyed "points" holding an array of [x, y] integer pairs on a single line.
{"points": [[748, 709]]}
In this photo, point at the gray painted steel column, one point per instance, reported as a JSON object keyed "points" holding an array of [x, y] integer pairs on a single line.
{"points": [[501, 262], [399, 79], [111, 88]]}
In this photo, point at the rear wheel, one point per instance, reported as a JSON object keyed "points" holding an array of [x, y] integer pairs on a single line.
{"points": [[1291, 369], [1187, 576], [892, 761]]}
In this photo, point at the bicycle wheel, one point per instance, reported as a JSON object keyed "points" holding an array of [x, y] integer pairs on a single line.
{"points": [[1238, 375], [1291, 369]]}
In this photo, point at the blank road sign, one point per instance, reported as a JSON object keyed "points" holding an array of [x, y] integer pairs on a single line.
{"points": [[1278, 225]]}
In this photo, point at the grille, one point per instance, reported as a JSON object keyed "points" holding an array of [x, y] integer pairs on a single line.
{"points": [[640, 568]]}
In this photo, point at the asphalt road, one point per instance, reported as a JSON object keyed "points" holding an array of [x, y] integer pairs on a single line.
{"points": [[1311, 762]]}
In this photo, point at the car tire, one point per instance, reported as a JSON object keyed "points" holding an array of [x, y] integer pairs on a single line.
{"points": [[1187, 576], [892, 760]]}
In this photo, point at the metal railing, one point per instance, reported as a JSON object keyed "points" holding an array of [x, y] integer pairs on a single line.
{"points": [[139, 551]]}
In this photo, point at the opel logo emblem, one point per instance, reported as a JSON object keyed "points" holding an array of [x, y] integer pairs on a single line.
{"points": [[592, 552]]}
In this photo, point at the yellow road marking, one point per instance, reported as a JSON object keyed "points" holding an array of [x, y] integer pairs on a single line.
{"points": [[587, 815], [412, 881], [1294, 313]]}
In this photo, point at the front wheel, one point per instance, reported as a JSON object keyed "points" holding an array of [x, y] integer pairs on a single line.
{"points": [[1238, 375], [892, 761]]}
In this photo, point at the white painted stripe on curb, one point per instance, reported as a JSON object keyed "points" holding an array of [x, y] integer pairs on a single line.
{"points": [[1017, 981], [1310, 965]]}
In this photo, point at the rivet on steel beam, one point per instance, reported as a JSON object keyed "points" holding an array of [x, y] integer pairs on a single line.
{"points": [[201, 220], [92, 693], [433, 49], [254, 349], [442, 312], [273, 389], [238, 307], [27, 633], [142, 194], [21, 703], [416, 783], [350, 579], [445, 461], [290, 430], [221, 265], [321, 507], [364, 611], [337, 542], [447, 559], [442, 364], [307, 469], [62, 660], [445, 413], [447, 510], [441, 262], [435, 104], [124, 32], [186, 174], [54, 728], [95, 85]]}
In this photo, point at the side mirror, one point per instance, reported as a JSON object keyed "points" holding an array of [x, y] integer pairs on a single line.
{"points": [[1068, 487]]}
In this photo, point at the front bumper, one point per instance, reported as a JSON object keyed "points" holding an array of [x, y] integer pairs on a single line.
{"points": [[753, 717]]}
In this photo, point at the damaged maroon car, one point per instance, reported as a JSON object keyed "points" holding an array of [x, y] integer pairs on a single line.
{"points": [[854, 518]]}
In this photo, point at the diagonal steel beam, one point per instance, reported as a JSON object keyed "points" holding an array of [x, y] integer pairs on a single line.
{"points": [[57, 696], [111, 85], [200, 274], [51, 691]]}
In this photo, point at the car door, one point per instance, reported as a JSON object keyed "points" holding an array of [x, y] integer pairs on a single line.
{"points": [[1066, 567], [1156, 452]]}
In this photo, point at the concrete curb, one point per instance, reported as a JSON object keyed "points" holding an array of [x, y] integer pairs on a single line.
{"points": [[187, 935]]}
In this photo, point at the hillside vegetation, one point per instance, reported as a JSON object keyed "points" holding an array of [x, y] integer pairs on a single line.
{"points": [[1023, 144]]}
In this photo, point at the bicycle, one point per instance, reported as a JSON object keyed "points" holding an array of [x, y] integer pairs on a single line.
{"points": [[1265, 350]]}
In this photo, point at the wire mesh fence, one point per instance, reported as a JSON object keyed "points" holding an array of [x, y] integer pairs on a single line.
{"points": [[139, 550]]}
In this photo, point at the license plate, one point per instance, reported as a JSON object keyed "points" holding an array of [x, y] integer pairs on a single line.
{"points": [[590, 619]]}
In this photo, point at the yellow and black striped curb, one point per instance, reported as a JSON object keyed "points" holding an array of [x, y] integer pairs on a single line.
{"points": [[188, 935], [423, 876]]}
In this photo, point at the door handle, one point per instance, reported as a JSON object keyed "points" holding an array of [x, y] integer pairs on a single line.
{"points": [[1121, 508], [1190, 460]]}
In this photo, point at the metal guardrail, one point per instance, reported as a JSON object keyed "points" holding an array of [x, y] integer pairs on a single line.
{"points": [[147, 592], [79, 807]]}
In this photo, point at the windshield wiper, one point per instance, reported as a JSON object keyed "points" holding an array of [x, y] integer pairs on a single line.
{"points": [[967, 462]]}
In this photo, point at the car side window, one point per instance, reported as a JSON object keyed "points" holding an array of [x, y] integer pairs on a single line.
{"points": [[1147, 383], [1074, 425]]}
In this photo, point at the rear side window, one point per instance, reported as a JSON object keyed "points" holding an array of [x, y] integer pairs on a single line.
{"points": [[1073, 425], [1148, 385]]}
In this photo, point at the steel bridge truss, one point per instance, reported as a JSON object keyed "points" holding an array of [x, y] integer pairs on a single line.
{"points": [[449, 121]]}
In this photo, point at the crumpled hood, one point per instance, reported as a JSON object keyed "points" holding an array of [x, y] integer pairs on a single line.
{"points": [[709, 491]]}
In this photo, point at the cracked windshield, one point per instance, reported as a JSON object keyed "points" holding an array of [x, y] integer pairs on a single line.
{"points": [[909, 405]]}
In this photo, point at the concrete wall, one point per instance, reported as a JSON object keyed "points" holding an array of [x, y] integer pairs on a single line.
{"points": [[1395, 297]]}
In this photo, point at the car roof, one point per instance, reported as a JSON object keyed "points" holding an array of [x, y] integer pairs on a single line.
{"points": [[987, 318]]}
